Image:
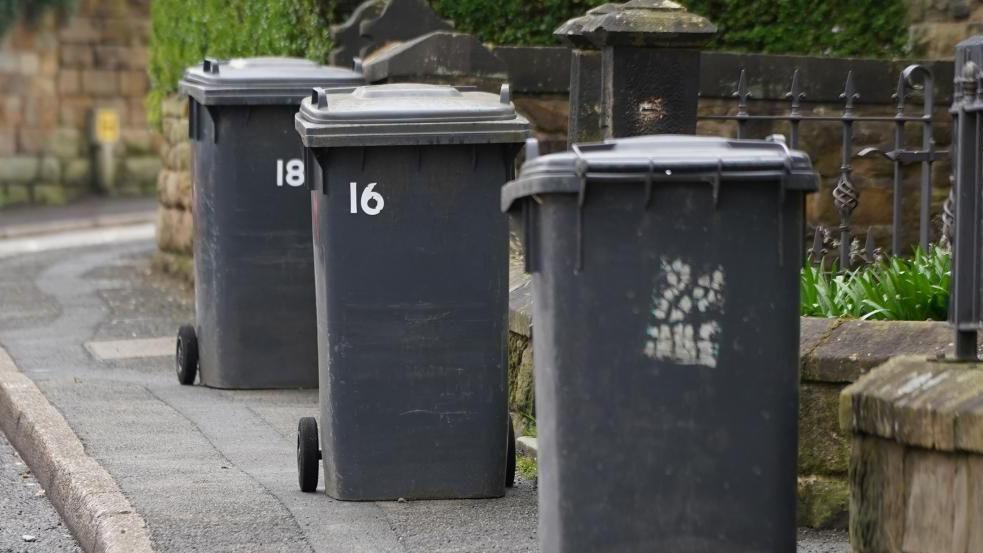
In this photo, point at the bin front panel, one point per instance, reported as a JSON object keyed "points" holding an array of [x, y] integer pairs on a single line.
{"points": [[254, 278], [667, 368], [412, 291]]}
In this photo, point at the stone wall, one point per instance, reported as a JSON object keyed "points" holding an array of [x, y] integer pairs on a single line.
{"points": [[936, 26], [53, 73], [916, 468], [175, 225]]}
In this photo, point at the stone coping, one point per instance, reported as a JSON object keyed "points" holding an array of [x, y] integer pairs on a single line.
{"points": [[546, 69], [932, 404]]}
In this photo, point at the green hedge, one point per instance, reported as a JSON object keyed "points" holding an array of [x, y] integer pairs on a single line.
{"points": [[831, 27], [185, 31]]}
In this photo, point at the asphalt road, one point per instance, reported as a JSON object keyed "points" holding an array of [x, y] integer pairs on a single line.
{"points": [[212, 470], [28, 521]]}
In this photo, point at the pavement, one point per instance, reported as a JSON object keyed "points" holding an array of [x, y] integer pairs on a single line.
{"points": [[208, 470]]}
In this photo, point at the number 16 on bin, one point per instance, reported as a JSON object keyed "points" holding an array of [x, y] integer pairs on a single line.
{"points": [[371, 202]]}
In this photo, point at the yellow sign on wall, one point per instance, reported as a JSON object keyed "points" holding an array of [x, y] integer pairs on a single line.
{"points": [[107, 126]]}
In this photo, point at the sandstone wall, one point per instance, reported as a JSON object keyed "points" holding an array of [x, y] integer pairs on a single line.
{"points": [[53, 73], [936, 26]]}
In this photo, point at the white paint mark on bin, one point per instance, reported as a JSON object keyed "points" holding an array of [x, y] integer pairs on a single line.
{"points": [[685, 309]]}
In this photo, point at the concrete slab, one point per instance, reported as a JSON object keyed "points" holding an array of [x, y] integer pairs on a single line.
{"points": [[129, 349]]}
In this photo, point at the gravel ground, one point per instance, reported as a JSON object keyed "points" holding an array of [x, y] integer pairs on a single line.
{"points": [[28, 521], [823, 541]]}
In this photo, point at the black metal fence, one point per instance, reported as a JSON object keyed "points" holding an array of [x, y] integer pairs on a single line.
{"points": [[967, 113], [915, 82]]}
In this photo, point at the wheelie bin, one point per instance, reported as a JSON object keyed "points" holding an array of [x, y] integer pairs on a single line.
{"points": [[411, 258], [666, 316], [254, 269]]}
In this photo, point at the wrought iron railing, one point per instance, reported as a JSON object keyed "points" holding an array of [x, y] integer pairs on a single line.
{"points": [[913, 80]]}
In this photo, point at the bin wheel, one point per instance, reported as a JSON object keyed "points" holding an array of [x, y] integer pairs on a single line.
{"points": [[186, 356], [510, 459], [308, 454]]}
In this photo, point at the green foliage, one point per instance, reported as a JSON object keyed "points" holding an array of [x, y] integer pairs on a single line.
{"points": [[13, 10], [526, 466], [185, 31], [900, 289], [512, 21], [831, 27]]}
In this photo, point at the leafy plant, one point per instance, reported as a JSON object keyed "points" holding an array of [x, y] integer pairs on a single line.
{"points": [[526, 466], [899, 289], [185, 31], [833, 27]]}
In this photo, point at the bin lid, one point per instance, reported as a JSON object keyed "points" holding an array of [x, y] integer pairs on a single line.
{"points": [[408, 114], [663, 158], [264, 80]]}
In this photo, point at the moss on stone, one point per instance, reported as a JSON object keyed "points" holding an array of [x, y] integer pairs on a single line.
{"points": [[823, 502], [823, 448]]}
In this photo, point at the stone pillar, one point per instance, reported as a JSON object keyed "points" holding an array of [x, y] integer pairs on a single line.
{"points": [[649, 68], [585, 79]]}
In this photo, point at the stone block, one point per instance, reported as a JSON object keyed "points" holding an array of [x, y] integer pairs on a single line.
{"points": [[134, 83], [969, 426], [824, 449], [179, 158], [30, 64], [175, 230], [49, 62], [8, 142], [50, 170], [141, 171], [30, 140], [137, 58], [521, 392], [170, 190], [138, 141], [136, 113], [19, 170], [823, 502], [176, 130], [80, 30], [41, 111], [974, 503], [175, 105], [916, 401], [11, 111], [74, 112], [14, 194], [855, 347], [110, 57], [66, 143], [69, 81], [877, 495], [931, 504], [50, 193], [100, 82], [77, 173], [76, 56], [180, 266], [547, 115]]}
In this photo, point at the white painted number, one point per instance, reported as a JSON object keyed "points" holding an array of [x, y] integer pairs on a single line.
{"points": [[372, 202], [294, 175]]}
